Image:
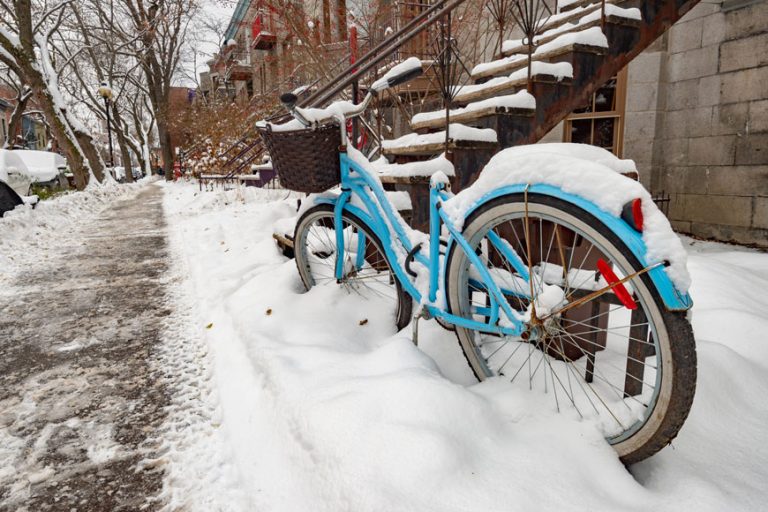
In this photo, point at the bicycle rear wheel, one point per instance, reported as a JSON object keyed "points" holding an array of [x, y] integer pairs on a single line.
{"points": [[366, 271], [633, 372]]}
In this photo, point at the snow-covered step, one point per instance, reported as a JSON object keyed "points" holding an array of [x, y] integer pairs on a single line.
{"points": [[521, 103], [517, 80], [566, 6], [414, 172], [558, 19], [591, 40], [459, 136], [613, 13]]}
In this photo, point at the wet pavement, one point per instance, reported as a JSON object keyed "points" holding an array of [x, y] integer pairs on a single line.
{"points": [[80, 397]]}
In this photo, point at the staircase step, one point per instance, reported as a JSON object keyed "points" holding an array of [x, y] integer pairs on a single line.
{"points": [[460, 136], [415, 172], [590, 40], [571, 16], [613, 14], [520, 104], [564, 6], [560, 72]]}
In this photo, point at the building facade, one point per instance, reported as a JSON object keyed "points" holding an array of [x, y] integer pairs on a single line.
{"points": [[692, 112]]}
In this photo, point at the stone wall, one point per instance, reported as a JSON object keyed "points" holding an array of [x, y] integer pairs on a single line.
{"points": [[697, 121]]}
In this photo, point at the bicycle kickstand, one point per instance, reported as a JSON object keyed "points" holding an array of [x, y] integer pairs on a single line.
{"points": [[420, 313]]}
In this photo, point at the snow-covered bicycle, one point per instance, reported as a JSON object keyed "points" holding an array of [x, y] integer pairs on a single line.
{"points": [[556, 273]]}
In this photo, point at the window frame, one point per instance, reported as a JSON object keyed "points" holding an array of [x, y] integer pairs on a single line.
{"points": [[619, 114]]}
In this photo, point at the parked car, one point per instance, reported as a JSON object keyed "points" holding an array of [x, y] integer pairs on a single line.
{"points": [[118, 173], [14, 172], [44, 168], [14, 181]]}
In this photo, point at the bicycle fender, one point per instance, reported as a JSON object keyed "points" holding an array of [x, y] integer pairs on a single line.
{"points": [[674, 300]]}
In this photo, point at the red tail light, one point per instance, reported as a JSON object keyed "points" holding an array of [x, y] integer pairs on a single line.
{"points": [[619, 289], [632, 213]]}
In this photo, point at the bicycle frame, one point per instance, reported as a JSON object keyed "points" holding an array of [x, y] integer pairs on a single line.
{"points": [[379, 215]]}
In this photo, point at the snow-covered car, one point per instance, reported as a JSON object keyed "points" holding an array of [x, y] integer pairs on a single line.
{"points": [[14, 172], [44, 168], [118, 173], [14, 181]]}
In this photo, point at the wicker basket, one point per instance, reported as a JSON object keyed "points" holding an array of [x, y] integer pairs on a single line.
{"points": [[305, 160]]}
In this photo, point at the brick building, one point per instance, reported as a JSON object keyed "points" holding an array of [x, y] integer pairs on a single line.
{"points": [[31, 133]]}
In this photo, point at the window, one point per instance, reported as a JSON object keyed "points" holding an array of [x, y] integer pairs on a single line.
{"points": [[601, 121]]}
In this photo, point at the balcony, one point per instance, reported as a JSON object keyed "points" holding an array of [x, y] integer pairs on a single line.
{"points": [[262, 31], [239, 72]]}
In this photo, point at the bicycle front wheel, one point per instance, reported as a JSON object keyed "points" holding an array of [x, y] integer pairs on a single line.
{"points": [[633, 372], [366, 271]]}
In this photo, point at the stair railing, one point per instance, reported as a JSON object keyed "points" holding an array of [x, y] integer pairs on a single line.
{"points": [[380, 52]]}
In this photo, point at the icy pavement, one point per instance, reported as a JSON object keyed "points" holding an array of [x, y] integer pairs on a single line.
{"points": [[80, 400]]}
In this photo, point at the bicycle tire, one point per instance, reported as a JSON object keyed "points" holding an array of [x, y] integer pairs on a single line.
{"points": [[672, 336], [312, 273]]}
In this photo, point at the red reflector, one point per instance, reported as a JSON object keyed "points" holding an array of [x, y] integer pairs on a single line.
{"points": [[621, 292], [637, 214]]}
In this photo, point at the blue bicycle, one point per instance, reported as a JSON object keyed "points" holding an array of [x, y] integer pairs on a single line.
{"points": [[543, 288]]}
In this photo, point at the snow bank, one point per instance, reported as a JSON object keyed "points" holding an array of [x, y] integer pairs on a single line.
{"points": [[318, 412], [585, 171], [26, 230]]}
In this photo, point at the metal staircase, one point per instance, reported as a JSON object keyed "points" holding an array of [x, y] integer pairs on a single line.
{"points": [[561, 56]]}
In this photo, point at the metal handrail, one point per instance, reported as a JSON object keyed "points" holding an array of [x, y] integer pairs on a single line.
{"points": [[380, 52]]}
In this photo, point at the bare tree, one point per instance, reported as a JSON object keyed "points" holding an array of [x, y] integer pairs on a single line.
{"points": [[26, 34], [156, 32]]}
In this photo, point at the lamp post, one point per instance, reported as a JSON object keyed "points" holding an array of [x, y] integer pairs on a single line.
{"points": [[105, 91]]}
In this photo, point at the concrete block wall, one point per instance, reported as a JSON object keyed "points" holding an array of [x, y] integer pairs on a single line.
{"points": [[697, 121]]}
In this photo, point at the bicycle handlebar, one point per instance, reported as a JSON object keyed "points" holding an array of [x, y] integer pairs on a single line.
{"points": [[413, 69]]}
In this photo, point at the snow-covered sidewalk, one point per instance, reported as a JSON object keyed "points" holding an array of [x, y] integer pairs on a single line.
{"points": [[316, 410]]}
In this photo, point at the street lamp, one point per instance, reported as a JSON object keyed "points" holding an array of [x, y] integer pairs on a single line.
{"points": [[105, 91]]}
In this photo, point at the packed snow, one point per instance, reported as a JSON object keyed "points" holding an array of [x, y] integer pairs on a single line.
{"points": [[318, 410], [26, 231]]}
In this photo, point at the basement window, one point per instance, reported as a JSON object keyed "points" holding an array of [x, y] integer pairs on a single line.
{"points": [[601, 121]]}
